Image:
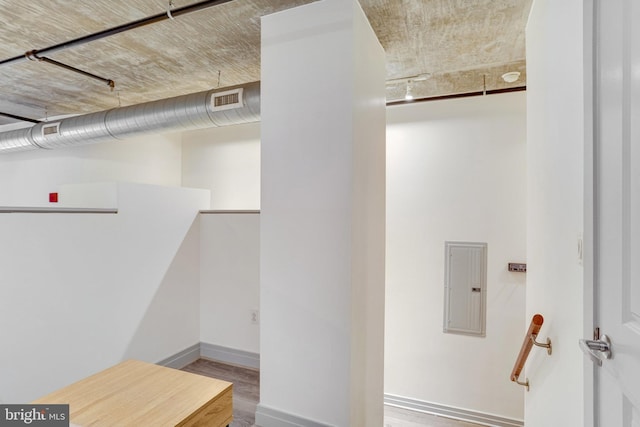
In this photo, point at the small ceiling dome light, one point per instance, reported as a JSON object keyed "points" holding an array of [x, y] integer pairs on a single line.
{"points": [[408, 96], [511, 76]]}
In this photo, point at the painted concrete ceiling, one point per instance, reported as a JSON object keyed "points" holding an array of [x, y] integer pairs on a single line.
{"points": [[452, 46]]}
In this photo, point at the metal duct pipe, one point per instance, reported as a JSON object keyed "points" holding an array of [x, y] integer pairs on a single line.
{"points": [[214, 108]]}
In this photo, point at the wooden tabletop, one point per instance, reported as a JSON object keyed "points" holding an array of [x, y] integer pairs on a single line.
{"points": [[140, 394]]}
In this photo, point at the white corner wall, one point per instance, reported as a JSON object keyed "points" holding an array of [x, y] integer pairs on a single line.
{"points": [[229, 277], [555, 149], [28, 177], [456, 171], [81, 292], [225, 160], [322, 218]]}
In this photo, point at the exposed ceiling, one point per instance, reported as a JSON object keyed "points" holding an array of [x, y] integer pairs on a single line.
{"points": [[455, 46]]}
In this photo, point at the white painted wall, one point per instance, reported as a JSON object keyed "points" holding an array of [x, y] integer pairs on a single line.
{"points": [[410, 129], [28, 177], [322, 203], [426, 141], [456, 171], [368, 222], [229, 278], [225, 160], [81, 292], [555, 140]]}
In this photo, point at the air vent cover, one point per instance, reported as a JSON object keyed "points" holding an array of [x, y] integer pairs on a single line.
{"points": [[50, 129], [227, 100]]}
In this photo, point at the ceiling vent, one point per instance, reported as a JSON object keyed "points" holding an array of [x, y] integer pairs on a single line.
{"points": [[50, 129], [227, 100]]}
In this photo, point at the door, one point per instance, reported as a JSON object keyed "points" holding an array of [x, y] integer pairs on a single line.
{"points": [[616, 214]]}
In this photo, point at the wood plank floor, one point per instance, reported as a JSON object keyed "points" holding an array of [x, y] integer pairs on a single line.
{"points": [[246, 395], [246, 387], [398, 417]]}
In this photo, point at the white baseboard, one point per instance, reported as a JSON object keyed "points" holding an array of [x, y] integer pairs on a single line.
{"points": [[219, 353], [269, 417], [182, 358], [230, 355], [451, 412]]}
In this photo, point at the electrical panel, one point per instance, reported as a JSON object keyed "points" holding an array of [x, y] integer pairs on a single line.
{"points": [[465, 288]]}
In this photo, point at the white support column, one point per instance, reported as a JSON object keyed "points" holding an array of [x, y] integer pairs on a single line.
{"points": [[322, 226]]}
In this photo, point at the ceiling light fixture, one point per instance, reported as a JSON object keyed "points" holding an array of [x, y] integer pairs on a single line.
{"points": [[511, 76], [408, 95]]}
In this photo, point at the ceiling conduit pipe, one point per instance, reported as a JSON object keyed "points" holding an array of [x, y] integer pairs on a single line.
{"points": [[214, 108], [117, 30], [20, 118]]}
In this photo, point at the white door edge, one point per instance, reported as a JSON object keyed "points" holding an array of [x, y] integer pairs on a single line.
{"points": [[589, 102]]}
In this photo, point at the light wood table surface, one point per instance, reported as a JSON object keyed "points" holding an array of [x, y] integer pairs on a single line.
{"points": [[141, 394]]}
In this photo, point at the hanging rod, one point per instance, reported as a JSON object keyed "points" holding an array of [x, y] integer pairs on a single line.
{"points": [[52, 210], [529, 341], [241, 211]]}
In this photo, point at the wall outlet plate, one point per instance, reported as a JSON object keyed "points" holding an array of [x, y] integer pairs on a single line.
{"points": [[255, 317]]}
